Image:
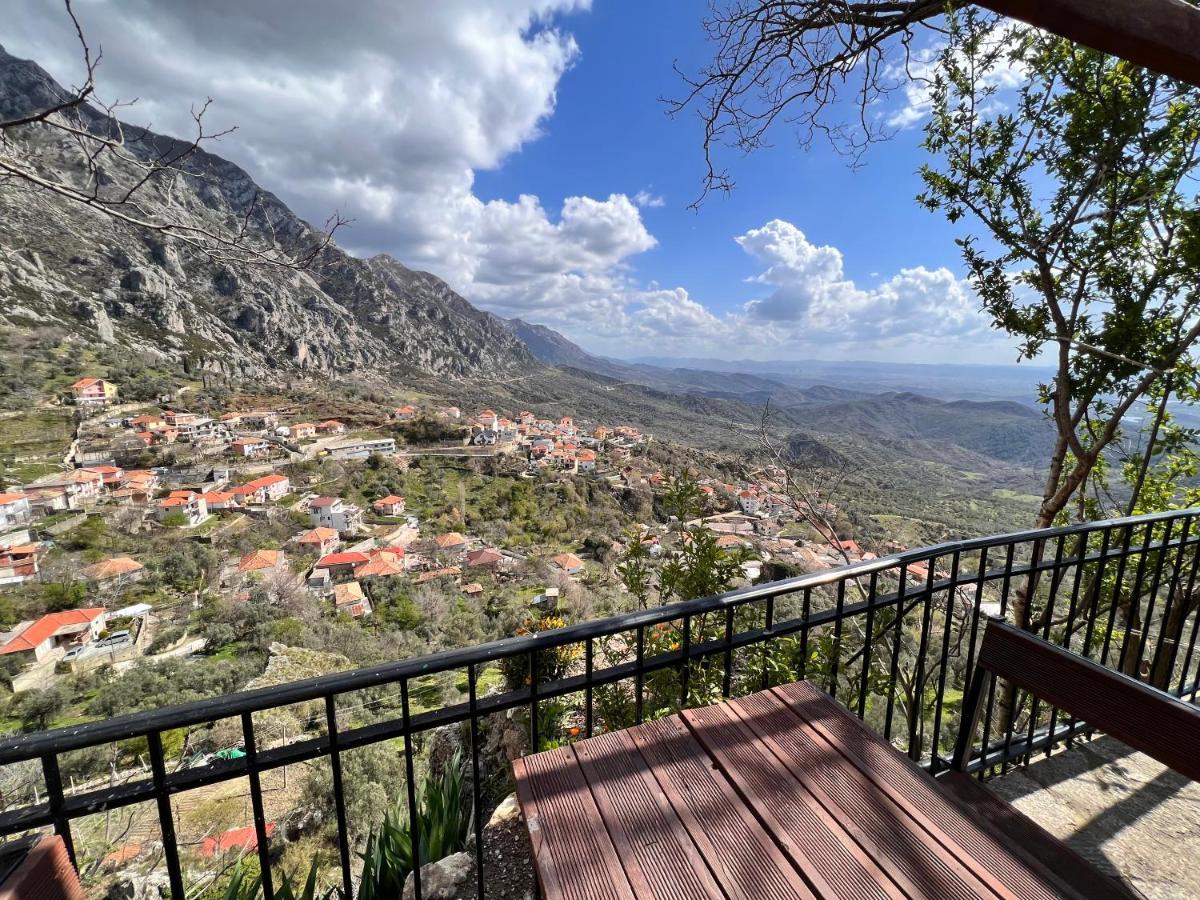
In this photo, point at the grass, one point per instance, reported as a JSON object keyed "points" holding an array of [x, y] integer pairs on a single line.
{"points": [[41, 436], [1009, 494]]}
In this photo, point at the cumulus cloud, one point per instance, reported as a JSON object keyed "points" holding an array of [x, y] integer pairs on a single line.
{"points": [[645, 199], [919, 73], [380, 110], [812, 299]]}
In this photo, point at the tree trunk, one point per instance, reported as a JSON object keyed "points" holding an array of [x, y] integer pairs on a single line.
{"points": [[1181, 609]]}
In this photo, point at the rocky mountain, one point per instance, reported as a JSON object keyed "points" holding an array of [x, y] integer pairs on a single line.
{"points": [[67, 266]]}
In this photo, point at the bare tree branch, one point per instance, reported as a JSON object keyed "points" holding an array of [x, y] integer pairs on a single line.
{"points": [[787, 60], [133, 176]]}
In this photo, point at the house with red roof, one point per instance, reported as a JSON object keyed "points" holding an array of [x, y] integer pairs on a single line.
{"points": [[331, 426], [236, 840], [15, 509], [568, 562], [34, 641], [385, 563], [219, 500], [749, 501], [391, 505], [94, 392], [261, 561], [341, 565], [111, 477], [250, 447], [192, 507], [302, 430], [486, 559], [321, 541], [19, 558], [405, 413], [114, 574], [264, 489], [451, 543], [349, 598], [82, 487], [585, 460]]}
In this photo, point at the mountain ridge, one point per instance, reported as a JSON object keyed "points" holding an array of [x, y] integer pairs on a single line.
{"points": [[77, 269]]}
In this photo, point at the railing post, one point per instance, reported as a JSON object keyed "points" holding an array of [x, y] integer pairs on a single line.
{"points": [[55, 799], [339, 796], [166, 824], [476, 792], [410, 788], [256, 802]]}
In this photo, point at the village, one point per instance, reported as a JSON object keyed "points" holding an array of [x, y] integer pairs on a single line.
{"points": [[218, 480]]}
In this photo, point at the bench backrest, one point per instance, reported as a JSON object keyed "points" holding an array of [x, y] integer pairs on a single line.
{"points": [[1156, 723]]}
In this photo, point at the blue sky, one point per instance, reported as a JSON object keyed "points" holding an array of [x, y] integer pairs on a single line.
{"points": [[512, 146], [609, 133]]}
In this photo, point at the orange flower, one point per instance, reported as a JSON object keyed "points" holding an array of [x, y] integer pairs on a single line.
{"points": [[573, 732], [675, 645]]}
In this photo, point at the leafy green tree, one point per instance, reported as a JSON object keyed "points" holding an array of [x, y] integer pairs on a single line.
{"points": [[1084, 188], [37, 709]]}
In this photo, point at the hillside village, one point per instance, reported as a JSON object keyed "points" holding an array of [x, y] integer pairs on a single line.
{"points": [[152, 470], [205, 541]]}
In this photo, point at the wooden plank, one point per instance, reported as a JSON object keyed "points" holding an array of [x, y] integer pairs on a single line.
{"points": [[574, 856], [659, 857], [742, 856], [833, 862], [1162, 35], [895, 774], [1019, 830], [1147, 719], [892, 829]]}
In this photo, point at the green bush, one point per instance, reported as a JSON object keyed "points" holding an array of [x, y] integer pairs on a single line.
{"points": [[442, 824]]}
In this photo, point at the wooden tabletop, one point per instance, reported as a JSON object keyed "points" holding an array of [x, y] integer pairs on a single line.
{"points": [[782, 794]]}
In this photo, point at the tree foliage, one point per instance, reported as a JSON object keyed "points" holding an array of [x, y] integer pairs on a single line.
{"points": [[1083, 189]]}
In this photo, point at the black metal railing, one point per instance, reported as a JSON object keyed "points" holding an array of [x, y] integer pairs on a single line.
{"points": [[893, 639]]}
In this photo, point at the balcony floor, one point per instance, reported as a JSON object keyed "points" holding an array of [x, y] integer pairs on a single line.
{"points": [[1119, 809]]}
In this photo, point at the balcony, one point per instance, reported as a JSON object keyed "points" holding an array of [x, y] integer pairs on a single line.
{"points": [[893, 640]]}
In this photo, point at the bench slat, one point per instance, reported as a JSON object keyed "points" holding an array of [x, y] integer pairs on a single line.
{"points": [[833, 862], [896, 830], [659, 857], [1145, 718], [574, 856], [894, 773], [741, 854], [1025, 835]]}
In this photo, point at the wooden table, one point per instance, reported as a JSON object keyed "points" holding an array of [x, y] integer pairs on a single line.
{"points": [[782, 794]]}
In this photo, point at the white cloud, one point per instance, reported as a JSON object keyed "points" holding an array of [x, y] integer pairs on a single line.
{"points": [[813, 300], [379, 109], [918, 77], [645, 199]]}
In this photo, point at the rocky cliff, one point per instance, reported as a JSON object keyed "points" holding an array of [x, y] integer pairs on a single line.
{"points": [[64, 265]]}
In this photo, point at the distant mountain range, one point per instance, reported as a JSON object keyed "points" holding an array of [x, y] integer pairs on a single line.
{"points": [[1001, 429]]}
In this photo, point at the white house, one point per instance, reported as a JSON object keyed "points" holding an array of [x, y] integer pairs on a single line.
{"points": [[361, 449], [335, 513], [14, 510], [34, 641], [193, 508]]}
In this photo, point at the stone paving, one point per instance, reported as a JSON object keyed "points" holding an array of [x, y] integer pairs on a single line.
{"points": [[1126, 813]]}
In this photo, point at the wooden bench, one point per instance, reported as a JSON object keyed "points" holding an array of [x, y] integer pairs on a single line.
{"points": [[1149, 720], [784, 794]]}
